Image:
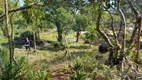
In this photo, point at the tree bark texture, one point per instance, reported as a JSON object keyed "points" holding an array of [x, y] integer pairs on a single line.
{"points": [[77, 35], [8, 33], [34, 36], [123, 26], [60, 31], [139, 34]]}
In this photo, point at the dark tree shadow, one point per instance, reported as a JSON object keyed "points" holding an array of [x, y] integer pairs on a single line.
{"points": [[79, 47], [15, 45], [51, 48], [4, 44]]}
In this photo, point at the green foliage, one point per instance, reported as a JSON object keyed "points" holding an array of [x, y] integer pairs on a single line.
{"points": [[28, 34], [34, 16], [78, 76], [27, 17], [39, 75], [82, 21], [60, 16], [16, 70], [20, 69], [91, 66], [59, 45], [81, 14], [102, 75], [92, 35], [4, 55], [77, 66]]}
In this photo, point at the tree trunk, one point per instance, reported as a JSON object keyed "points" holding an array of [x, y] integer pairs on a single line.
{"points": [[7, 29], [59, 30], [137, 14], [59, 37], [139, 34], [77, 36], [34, 36]]}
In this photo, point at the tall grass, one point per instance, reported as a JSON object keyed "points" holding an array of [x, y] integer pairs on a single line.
{"points": [[89, 67], [20, 69]]}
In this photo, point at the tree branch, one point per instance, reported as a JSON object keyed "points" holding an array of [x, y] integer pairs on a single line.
{"points": [[123, 25], [137, 14], [114, 32], [133, 8], [14, 10], [98, 29], [21, 8]]}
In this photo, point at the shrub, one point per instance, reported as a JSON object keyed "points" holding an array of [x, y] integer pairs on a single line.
{"points": [[13, 71], [93, 68], [24, 35], [78, 76], [59, 45], [39, 75]]}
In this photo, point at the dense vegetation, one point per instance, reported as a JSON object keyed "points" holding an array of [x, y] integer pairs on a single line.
{"points": [[70, 39]]}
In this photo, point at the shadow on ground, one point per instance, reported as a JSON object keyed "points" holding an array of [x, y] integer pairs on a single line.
{"points": [[80, 47], [51, 48]]}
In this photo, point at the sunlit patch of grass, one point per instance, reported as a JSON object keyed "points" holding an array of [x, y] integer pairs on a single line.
{"points": [[3, 39], [49, 36]]}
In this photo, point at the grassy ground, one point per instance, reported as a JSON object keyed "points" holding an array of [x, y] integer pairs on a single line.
{"points": [[54, 59], [61, 62]]}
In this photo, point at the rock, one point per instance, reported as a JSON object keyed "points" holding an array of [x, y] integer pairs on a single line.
{"points": [[103, 48]]}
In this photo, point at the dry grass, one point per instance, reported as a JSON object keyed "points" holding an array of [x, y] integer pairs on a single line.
{"points": [[50, 57], [49, 36]]}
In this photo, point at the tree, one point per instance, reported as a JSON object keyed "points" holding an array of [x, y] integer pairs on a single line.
{"points": [[61, 18], [82, 22]]}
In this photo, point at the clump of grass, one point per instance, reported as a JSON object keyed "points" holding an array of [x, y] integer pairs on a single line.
{"points": [[94, 68], [78, 76]]}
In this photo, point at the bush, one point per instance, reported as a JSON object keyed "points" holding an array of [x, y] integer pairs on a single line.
{"points": [[24, 35], [90, 37], [28, 34], [59, 45], [13, 71], [20, 69], [4, 55], [39, 75], [78, 76], [92, 68]]}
